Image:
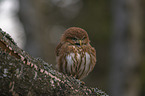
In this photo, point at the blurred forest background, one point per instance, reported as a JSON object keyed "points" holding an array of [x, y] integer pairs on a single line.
{"points": [[116, 29]]}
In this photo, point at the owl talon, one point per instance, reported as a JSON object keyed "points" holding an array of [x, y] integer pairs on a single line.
{"points": [[83, 83]]}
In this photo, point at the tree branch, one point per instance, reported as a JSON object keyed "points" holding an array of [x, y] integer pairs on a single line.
{"points": [[21, 74]]}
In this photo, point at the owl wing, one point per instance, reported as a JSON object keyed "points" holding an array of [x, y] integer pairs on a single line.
{"points": [[57, 50], [93, 55], [93, 51]]}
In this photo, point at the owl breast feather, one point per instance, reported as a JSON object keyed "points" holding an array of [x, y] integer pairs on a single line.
{"points": [[78, 64]]}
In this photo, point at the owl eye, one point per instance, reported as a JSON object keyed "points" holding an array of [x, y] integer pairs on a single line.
{"points": [[73, 38], [84, 38]]}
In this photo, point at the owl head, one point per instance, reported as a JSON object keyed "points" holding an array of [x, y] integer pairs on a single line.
{"points": [[75, 36]]}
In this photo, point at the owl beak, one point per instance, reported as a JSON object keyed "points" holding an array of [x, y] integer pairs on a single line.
{"points": [[80, 42]]}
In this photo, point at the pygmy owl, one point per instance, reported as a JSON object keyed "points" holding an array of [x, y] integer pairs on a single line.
{"points": [[74, 54]]}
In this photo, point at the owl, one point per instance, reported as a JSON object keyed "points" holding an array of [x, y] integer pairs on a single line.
{"points": [[74, 54]]}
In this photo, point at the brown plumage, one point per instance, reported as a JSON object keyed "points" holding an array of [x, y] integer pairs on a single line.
{"points": [[75, 56]]}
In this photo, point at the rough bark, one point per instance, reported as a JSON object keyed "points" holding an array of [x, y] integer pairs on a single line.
{"points": [[21, 74]]}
